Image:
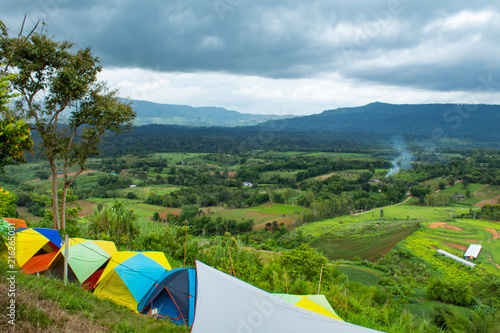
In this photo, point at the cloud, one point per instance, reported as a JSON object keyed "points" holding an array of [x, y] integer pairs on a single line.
{"points": [[272, 50]]}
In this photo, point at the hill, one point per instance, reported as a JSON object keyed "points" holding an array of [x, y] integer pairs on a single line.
{"points": [[171, 114], [435, 122]]}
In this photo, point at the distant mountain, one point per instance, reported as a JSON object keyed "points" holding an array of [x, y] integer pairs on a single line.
{"points": [[438, 122], [184, 115]]}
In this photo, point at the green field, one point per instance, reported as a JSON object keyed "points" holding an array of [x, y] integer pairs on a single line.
{"points": [[460, 189], [143, 191], [361, 274], [140, 208], [367, 248], [263, 214]]}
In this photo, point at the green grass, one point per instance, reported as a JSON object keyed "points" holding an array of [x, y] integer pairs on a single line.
{"points": [[425, 241], [140, 208], [460, 189], [46, 304], [367, 248], [361, 274], [402, 212], [279, 209], [143, 191], [266, 213]]}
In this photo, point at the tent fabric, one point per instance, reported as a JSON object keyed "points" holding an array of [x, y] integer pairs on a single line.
{"points": [[315, 303], [91, 281], [32, 243], [130, 275], [226, 304], [173, 297], [18, 223], [85, 258]]}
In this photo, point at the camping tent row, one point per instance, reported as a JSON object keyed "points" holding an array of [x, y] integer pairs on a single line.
{"points": [[146, 283], [126, 277]]}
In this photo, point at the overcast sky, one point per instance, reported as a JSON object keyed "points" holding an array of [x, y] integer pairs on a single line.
{"points": [[283, 56]]}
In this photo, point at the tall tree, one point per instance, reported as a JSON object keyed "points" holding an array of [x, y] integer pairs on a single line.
{"points": [[65, 103], [14, 133]]}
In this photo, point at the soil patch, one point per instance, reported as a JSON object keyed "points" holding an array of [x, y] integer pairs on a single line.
{"points": [[494, 201], [177, 213], [494, 232], [71, 174], [444, 225], [287, 221], [491, 259], [457, 246], [87, 208]]}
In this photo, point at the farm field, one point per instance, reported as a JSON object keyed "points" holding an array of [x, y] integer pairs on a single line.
{"points": [[364, 275], [143, 191], [263, 214], [140, 208], [402, 212], [370, 248]]}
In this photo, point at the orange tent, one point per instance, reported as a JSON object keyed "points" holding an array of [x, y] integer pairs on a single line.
{"points": [[35, 248], [18, 223]]}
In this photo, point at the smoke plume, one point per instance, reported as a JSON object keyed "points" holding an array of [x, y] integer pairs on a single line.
{"points": [[403, 160]]}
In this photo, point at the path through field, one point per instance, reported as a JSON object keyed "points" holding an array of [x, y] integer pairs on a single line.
{"points": [[71, 174], [492, 202], [444, 225], [482, 188], [494, 232], [491, 259]]}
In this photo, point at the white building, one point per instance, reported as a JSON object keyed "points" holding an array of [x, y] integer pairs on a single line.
{"points": [[473, 251]]}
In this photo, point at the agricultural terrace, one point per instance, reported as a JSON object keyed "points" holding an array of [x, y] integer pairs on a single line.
{"points": [[263, 214]]}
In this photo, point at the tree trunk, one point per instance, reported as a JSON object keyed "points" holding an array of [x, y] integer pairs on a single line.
{"points": [[63, 207], [55, 201], [67, 184]]}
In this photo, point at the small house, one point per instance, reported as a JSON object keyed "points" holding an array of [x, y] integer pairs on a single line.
{"points": [[473, 251]]}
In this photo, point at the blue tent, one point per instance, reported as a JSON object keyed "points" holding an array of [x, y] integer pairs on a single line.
{"points": [[173, 297]]}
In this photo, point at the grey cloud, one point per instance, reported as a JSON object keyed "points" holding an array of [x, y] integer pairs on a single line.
{"points": [[278, 39]]}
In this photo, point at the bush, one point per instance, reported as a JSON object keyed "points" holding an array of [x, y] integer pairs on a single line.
{"points": [[115, 223], [455, 292]]}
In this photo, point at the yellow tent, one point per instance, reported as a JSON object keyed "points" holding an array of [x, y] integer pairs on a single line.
{"points": [[130, 275], [315, 303]]}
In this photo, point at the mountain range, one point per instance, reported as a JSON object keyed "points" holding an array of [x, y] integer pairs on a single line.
{"points": [[184, 115], [479, 122], [451, 125]]}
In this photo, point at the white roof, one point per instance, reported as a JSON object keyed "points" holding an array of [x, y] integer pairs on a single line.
{"points": [[454, 257], [226, 304], [473, 250]]}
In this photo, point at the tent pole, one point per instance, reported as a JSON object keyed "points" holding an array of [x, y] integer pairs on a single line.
{"points": [[286, 284], [185, 243], [320, 275], [231, 262], [66, 255]]}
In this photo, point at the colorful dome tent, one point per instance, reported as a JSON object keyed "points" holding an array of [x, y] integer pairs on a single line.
{"points": [[87, 261], [35, 248], [130, 275], [173, 297], [315, 303], [226, 304]]}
